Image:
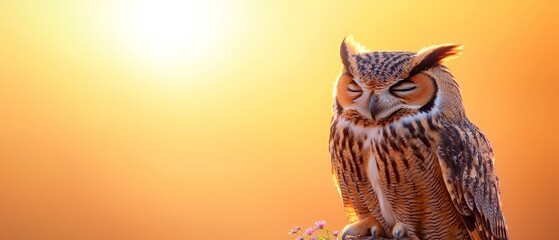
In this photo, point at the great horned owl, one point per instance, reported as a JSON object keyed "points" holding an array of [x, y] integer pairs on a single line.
{"points": [[405, 158]]}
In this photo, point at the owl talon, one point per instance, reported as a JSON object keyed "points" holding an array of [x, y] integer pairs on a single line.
{"points": [[362, 227], [374, 232], [344, 235], [399, 231]]}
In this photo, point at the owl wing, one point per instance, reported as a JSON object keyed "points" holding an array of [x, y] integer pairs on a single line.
{"points": [[466, 161], [348, 207]]}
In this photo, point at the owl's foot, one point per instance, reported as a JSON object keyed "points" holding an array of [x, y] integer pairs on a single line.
{"points": [[368, 226], [399, 231]]}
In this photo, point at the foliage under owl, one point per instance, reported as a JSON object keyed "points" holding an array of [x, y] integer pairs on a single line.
{"points": [[405, 158]]}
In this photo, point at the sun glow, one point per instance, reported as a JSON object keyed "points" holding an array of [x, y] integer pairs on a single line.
{"points": [[168, 33]]}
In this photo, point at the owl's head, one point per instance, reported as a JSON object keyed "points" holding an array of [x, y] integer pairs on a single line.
{"points": [[380, 87]]}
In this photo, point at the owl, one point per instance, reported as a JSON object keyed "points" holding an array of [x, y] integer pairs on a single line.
{"points": [[406, 160]]}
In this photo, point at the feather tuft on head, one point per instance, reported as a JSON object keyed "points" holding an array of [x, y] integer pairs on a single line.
{"points": [[435, 55], [348, 49]]}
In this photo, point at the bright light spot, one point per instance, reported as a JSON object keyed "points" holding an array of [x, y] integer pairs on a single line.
{"points": [[169, 33]]}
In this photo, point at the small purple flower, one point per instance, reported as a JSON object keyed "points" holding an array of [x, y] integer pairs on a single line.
{"points": [[310, 230], [294, 230], [320, 224], [299, 238], [312, 238], [335, 233]]}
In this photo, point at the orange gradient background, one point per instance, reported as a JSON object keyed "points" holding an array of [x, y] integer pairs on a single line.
{"points": [[223, 134]]}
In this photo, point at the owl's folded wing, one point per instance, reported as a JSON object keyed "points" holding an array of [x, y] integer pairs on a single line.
{"points": [[466, 161]]}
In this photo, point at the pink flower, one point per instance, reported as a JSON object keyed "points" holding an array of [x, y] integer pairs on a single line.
{"points": [[335, 233], [320, 224], [310, 230], [312, 238], [299, 238], [294, 230]]}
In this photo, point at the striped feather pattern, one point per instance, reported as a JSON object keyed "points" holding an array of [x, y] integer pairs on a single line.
{"points": [[405, 156]]}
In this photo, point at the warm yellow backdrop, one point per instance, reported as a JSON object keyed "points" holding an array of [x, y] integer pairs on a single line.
{"points": [[105, 134]]}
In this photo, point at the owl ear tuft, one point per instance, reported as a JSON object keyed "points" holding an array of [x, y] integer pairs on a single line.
{"points": [[434, 55], [348, 49]]}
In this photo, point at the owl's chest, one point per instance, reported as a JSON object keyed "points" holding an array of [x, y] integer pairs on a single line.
{"points": [[402, 156], [399, 152], [403, 169], [398, 162], [401, 165]]}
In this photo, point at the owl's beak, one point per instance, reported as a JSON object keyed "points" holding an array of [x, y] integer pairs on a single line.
{"points": [[374, 107], [380, 108]]}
